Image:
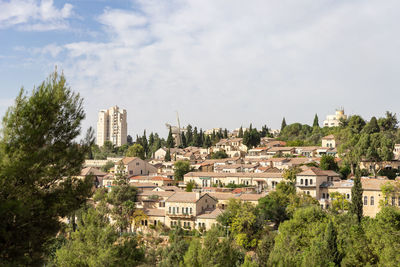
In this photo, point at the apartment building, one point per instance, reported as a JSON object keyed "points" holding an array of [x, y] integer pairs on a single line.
{"points": [[112, 126]]}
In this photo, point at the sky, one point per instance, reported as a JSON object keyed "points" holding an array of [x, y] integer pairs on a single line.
{"points": [[219, 63]]}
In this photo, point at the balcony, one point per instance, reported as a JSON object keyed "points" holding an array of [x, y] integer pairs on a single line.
{"points": [[180, 215], [305, 185]]}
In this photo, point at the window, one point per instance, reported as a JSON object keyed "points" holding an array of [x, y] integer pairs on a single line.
{"points": [[173, 210], [348, 196], [177, 209], [308, 192], [306, 181], [130, 172], [393, 201], [187, 210], [327, 195], [323, 195], [137, 163], [190, 210], [169, 210], [301, 181], [365, 200], [310, 181], [371, 201]]}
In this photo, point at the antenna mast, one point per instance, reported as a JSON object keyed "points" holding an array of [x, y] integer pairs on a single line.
{"points": [[179, 129]]}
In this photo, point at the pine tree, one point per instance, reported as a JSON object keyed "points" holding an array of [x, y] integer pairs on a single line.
{"points": [[356, 206], [283, 125], [39, 160], [167, 155], [316, 121], [170, 139]]}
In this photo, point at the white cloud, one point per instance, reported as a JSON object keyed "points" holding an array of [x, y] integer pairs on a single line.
{"points": [[226, 63], [33, 15]]}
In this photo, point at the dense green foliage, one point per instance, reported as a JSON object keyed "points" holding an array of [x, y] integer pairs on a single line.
{"points": [[219, 155], [97, 243], [181, 167], [328, 163], [135, 150], [39, 159]]}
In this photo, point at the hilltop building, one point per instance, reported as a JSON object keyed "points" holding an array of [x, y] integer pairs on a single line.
{"points": [[333, 120], [112, 126]]}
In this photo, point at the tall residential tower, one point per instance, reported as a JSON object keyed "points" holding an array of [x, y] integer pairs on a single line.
{"points": [[112, 126]]}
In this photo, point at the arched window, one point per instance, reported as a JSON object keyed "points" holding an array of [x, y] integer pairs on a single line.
{"points": [[306, 181], [348, 196], [301, 181], [372, 201], [310, 181], [327, 195], [365, 200], [323, 195], [187, 210]]}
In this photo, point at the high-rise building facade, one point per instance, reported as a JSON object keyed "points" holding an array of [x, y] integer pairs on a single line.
{"points": [[112, 126]]}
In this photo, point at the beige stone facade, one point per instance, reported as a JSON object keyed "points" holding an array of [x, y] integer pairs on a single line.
{"points": [[112, 126]]}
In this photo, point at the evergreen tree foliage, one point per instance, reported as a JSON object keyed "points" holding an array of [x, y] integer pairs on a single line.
{"points": [[251, 137], [225, 133], [328, 162], [316, 121], [167, 155], [192, 256], [184, 143], [170, 139], [195, 137], [356, 207], [181, 168], [39, 159], [240, 135], [283, 124], [135, 150], [189, 135], [96, 243]]}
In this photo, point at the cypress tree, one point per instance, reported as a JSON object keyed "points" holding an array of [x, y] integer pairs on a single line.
{"points": [[283, 125], [201, 138], [170, 139], [151, 139], [184, 143], [189, 135], [331, 242], [356, 206], [195, 138], [168, 155], [225, 133], [240, 135], [316, 121]]}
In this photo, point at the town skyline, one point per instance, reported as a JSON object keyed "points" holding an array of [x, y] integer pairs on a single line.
{"points": [[274, 60]]}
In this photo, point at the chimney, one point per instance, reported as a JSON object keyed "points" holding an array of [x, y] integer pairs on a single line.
{"points": [[198, 195]]}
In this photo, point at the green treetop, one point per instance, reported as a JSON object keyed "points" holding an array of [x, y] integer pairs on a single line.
{"points": [[316, 122], [39, 159]]}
